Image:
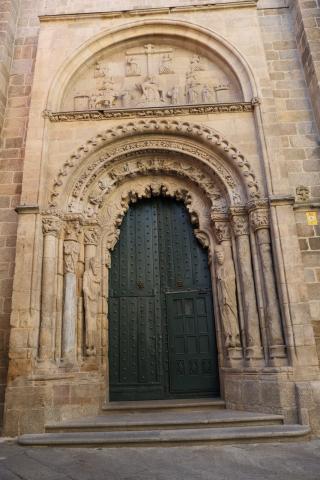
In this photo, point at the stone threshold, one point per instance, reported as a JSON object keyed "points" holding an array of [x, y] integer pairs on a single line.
{"points": [[146, 112]]}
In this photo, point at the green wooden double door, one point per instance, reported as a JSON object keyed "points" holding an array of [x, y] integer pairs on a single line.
{"points": [[161, 326]]}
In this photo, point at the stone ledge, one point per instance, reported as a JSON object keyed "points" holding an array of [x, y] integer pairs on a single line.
{"points": [[130, 8], [201, 109]]}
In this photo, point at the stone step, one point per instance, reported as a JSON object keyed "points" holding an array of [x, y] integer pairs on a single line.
{"points": [[165, 405], [165, 420], [164, 438]]}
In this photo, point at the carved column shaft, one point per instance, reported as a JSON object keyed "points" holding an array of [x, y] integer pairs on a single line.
{"points": [[249, 301], [260, 222], [226, 286], [48, 288], [71, 254], [91, 305]]}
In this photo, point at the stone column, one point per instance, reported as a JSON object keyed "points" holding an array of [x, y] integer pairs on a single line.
{"points": [[71, 249], [259, 218], [240, 223], [226, 287], [90, 244], [90, 291], [50, 228]]}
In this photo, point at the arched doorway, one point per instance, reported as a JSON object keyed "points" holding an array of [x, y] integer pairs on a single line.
{"points": [[161, 327]]}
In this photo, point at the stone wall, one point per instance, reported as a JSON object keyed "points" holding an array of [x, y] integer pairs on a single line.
{"points": [[8, 20], [15, 121], [288, 47]]}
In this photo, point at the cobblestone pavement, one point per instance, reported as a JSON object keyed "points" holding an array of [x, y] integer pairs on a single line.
{"points": [[290, 461]]}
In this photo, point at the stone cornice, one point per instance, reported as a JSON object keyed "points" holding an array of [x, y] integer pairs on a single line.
{"points": [[126, 12], [201, 109], [281, 200], [31, 209]]}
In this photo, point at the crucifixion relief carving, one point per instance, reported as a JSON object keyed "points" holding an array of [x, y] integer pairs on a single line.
{"points": [[151, 75]]}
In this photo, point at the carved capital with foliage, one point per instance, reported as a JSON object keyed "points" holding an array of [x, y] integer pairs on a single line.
{"points": [[259, 219], [240, 225], [51, 226]]}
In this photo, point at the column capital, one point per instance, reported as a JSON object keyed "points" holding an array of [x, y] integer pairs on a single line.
{"points": [[51, 226], [239, 221], [72, 231], [91, 236], [259, 219]]}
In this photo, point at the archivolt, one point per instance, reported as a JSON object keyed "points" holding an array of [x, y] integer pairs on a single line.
{"points": [[201, 133]]}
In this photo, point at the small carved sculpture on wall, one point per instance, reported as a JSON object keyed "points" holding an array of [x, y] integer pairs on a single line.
{"points": [[166, 64], [71, 252], [226, 287], [192, 90], [132, 67], [196, 64], [151, 91], [173, 94], [91, 289], [302, 193]]}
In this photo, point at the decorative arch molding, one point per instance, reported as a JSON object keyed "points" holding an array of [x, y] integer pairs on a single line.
{"points": [[117, 203], [205, 38], [200, 135]]}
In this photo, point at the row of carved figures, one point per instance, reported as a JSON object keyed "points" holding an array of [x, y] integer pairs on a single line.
{"points": [[233, 268]]}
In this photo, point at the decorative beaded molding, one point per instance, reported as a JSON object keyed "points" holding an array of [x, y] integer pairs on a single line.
{"points": [[86, 115], [207, 136]]}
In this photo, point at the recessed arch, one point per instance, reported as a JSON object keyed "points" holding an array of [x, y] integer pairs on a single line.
{"points": [[204, 38]]}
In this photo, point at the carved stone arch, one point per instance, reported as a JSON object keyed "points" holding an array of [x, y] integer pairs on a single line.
{"points": [[201, 37], [200, 135], [117, 202], [87, 194]]}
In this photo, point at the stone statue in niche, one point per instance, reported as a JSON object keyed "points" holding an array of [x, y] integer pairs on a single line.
{"points": [[132, 67], [226, 286], [91, 289], [166, 64]]}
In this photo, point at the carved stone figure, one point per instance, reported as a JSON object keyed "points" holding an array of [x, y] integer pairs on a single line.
{"points": [[71, 252], [91, 288], [226, 286], [302, 193], [196, 64], [132, 67], [173, 94], [192, 90], [205, 94], [166, 64], [151, 91]]}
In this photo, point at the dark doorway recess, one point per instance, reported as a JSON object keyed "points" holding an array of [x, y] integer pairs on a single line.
{"points": [[161, 328]]}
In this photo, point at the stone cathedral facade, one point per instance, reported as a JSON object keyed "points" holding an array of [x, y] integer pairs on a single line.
{"points": [[159, 164]]}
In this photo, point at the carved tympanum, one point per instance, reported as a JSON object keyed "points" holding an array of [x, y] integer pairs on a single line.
{"points": [[146, 75]]}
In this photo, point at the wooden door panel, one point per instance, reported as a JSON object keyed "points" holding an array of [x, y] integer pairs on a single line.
{"points": [[161, 334], [192, 347]]}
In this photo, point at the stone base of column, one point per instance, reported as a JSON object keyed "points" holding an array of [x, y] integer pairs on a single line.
{"points": [[235, 353], [278, 355], [254, 355]]}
